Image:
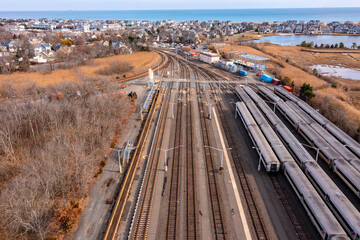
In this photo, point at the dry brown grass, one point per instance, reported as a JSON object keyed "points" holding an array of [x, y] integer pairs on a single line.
{"points": [[336, 106], [309, 57], [141, 62], [243, 37], [115, 67]]}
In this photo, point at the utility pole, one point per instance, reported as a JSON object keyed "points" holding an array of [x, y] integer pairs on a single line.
{"points": [[274, 103], [129, 147], [118, 151], [166, 150], [210, 105], [172, 109], [315, 148], [221, 169], [260, 156]]}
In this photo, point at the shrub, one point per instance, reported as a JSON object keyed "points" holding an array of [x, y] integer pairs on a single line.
{"points": [[66, 42], [315, 72], [102, 163], [287, 79], [145, 48], [306, 91]]}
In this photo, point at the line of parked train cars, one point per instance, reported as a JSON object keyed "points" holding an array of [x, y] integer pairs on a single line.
{"points": [[345, 170], [340, 206], [267, 156], [350, 143]]}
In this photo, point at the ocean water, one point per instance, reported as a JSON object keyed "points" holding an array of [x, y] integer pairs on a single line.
{"points": [[234, 15]]}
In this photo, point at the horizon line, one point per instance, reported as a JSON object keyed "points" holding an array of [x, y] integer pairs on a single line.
{"points": [[173, 9]]}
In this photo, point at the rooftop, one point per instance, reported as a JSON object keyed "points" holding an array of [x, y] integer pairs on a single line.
{"points": [[254, 57], [210, 54]]}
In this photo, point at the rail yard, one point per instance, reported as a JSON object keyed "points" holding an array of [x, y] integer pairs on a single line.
{"points": [[223, 156]]}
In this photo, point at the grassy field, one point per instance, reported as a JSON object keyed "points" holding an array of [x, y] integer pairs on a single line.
{"points": [[140, 62], [338, 99], [309, 57]]}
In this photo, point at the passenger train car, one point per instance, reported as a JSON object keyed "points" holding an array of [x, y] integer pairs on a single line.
{"points": [[341, 207], [345, 139], [267, 156], [342, 168]]}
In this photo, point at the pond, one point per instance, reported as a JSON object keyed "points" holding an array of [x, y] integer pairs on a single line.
{"points": [[292, 39], [337, 71]]}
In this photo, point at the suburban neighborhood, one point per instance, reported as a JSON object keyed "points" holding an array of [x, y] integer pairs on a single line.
{"points": [[37, 41]]}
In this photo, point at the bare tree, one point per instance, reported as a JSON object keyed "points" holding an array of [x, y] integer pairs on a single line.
{"points": [[49, 152]]}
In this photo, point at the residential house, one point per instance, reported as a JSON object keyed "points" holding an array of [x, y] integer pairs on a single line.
{"points": [[42, 53], [11, 45], [354, 30]]}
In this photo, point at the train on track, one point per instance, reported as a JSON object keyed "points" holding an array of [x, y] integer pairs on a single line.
{"points": [[267, 155], [344, 169], [350, 143], [346, 214]]}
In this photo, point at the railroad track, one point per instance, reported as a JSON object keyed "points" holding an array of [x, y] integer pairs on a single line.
{"points": [[192, 212], [119, 206], [139, 228], [298, 226], [164, 62], [256, 219], [283, 196], [217, 213], [174, 194], [141, 224]]}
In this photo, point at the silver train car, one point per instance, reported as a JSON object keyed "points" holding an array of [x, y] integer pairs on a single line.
{"points": [[343, 169], [320, 215], [274, 141], [322, 218], [345, 139], [347, 214], [267, 156], [342, 208], [335, 143]]}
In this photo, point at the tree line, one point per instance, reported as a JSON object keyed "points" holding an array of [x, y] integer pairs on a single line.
{"points": [[322, 45]]}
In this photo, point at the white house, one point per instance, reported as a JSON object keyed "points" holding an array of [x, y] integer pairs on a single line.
{"points": [[11, 45], [40, 58], [42, 53], [38, 48], [209, 57]]}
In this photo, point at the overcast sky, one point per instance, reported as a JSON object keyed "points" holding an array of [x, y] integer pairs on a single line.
{"points": [[17, 5]]}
